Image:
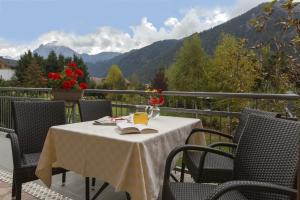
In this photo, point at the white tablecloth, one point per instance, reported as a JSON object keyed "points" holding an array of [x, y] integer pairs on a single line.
{"points": [[133, 163]]}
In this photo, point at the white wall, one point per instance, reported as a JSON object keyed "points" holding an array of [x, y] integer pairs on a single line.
{"points": [[7, 74]]}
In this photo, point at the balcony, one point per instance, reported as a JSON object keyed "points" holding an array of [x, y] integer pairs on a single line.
{"points": [[216, 110]]}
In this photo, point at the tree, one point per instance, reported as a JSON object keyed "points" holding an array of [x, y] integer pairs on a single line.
{"points": [[285, 73], [135, 83], [234, 67], [33, 75], [160, 81], [115, 79], [189, 72], [22, 65], [51, 63], [274, 72]]}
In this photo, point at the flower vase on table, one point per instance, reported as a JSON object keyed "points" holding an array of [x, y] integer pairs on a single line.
{"points": [[155, 101], [154, 112]]}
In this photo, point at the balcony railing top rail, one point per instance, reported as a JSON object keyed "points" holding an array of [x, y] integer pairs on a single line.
{"points": [[218, 110], [287, 96]]}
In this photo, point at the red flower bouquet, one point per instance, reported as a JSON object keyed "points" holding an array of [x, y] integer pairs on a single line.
{"points": [[68, 78], [156, 100]]}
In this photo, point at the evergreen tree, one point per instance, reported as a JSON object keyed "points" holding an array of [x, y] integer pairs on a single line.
{"points": [[51, 63], [115, 79], [61, 62], [159, 81], [189, 72], [33, 75], [22, 65]]}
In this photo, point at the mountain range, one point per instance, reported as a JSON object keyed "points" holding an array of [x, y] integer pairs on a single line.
{"points": [[7, 63], [146, 61], [44, 50]]}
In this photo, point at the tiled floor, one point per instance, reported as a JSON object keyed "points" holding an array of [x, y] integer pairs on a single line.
{"points": [[5, 193]]}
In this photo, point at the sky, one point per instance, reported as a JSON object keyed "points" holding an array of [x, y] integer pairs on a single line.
{"points": [[94, 26]]}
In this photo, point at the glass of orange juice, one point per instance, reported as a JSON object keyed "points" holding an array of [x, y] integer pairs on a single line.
{"points": [[140, 118]]}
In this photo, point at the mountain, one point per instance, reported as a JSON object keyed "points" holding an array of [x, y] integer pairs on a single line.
{"points": [[146, 61], [44, 50], [241, 28], [98, 57], [7, 63]]}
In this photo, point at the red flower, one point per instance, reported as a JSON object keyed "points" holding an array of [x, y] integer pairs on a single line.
{"points": [[83, 86], [51, 75], [161, 100], [69, 72], [74, 77], [79, 72], [73, 82], [54, 76], [72, 64], [66, 85], [155, 101]]}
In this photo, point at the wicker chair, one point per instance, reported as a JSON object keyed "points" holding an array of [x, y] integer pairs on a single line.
{"points": [[265, 165], [32, 121], [92, 110], [216, 168]]}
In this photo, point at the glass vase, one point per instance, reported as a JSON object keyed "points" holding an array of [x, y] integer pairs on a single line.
{"points": [[153, 112]]}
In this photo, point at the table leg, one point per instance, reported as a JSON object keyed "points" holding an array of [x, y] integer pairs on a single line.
{"points": [[128, 196], [87, 188]]}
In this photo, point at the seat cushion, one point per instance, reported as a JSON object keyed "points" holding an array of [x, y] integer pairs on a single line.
{"points": [[217, 168], [29, 164], [31, 159], [196, 191]]}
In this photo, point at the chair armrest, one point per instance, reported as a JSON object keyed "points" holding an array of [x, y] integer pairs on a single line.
{"points": [[251, 186], [223, 144], [179, 149], [15, 149], [196, 130]]}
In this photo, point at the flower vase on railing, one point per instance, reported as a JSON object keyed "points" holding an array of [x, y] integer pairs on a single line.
{"points": [[67, 85], [154, 102]]}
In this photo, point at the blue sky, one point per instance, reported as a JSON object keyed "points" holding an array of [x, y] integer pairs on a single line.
{"points": [[92, 26]]}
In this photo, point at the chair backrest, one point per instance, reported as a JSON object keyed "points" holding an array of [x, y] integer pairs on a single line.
{"points": [[32, 121], [243, 120], [268, 152], [94, 109]]}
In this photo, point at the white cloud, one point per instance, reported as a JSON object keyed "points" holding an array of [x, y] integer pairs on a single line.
{"points": [[245, 5], [111, 39]]}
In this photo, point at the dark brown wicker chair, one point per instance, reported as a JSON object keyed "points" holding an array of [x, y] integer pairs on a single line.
{"points": [[91, 110], [265, 165], [32, 121], [216, 168]]}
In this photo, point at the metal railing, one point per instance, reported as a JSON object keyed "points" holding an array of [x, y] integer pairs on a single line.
{"points": [[216, 109]]}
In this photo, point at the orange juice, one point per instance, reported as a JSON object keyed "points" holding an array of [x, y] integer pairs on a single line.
{"points": [[140, 118]]}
